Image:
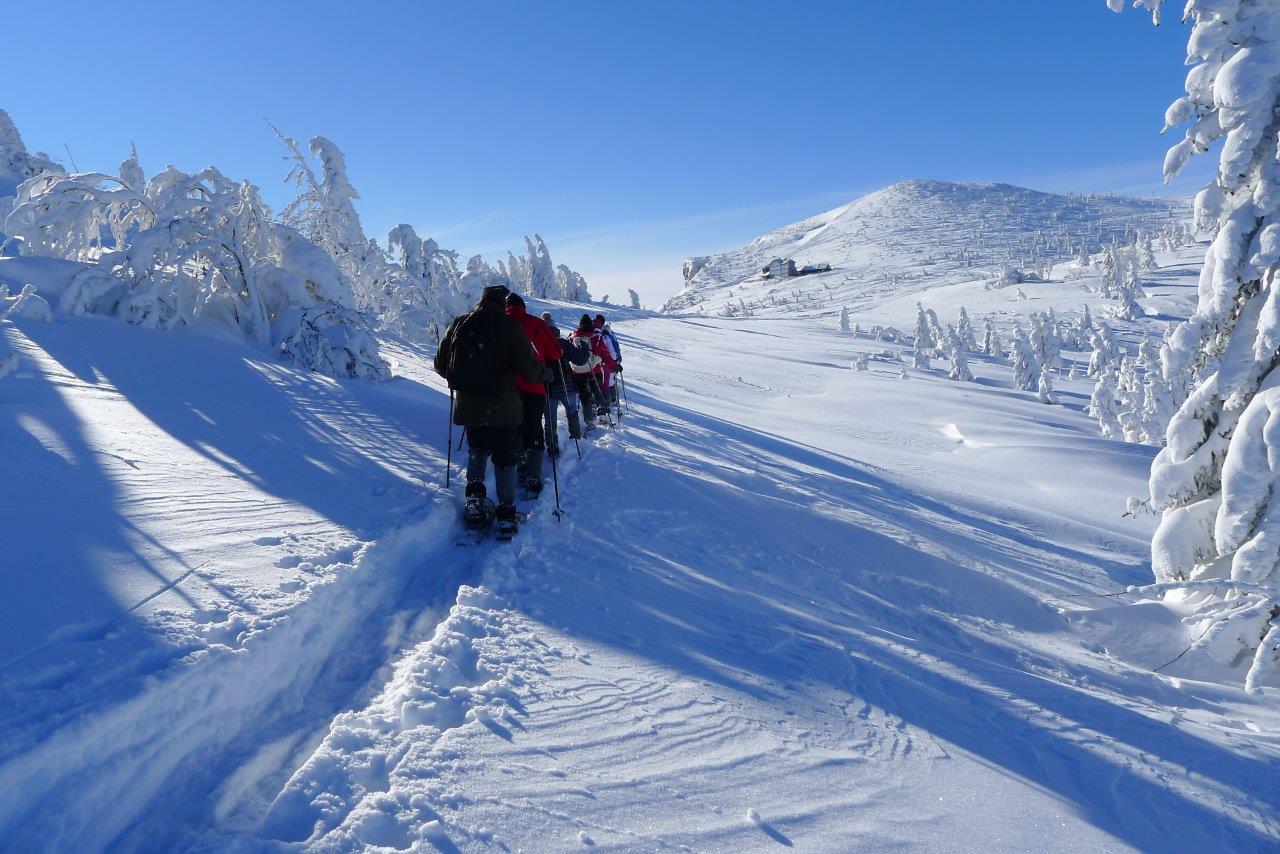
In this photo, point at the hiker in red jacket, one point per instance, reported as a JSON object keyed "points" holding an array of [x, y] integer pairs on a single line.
{"points": [[533, 395]]}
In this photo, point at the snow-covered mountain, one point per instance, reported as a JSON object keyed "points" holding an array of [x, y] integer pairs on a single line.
{"points": [[912, 236]]}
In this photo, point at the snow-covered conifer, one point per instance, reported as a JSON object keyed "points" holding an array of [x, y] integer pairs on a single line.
{"points": [[924, 331], [965, 330], [1044, 389], [959, 356], [635, 298], [1102, 405], [1026, 368], [1214, 480], [1146, 257], [844, 320], [991, 340]]}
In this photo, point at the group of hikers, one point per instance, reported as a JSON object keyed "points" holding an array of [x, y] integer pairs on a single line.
{"points": [[509, 375]]}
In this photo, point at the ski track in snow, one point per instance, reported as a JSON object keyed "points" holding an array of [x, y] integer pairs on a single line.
{"points": [[790, 606]]}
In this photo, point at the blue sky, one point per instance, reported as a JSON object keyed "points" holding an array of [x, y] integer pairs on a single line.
{"points": [[631, 135]]}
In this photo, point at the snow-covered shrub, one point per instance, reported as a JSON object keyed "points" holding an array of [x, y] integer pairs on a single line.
{"points": [[1216, 481], [185, 250], [29, 305]]}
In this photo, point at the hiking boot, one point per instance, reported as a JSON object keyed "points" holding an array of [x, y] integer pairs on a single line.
{"points": [[533, 488]]}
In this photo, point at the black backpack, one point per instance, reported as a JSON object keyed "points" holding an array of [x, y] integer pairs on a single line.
{"points": [[476, 362]]}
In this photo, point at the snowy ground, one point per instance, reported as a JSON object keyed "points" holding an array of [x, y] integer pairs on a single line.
{"points": [[790, 605]]}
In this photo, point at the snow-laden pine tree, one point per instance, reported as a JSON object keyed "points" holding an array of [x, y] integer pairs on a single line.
{"points": [[965, 330], [1102, 405], [959, 356], [1217, 481], [17, 164], [924, 331], [991, 340], [324, 212], [937, 334], [1109, 285], [1146, 257], [844, 320], [1044, 390], [635, 298], [1026, 367]]}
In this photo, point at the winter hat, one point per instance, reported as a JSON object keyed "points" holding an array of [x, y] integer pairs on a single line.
{"points": [[599, 321], [494, 294], [515, 299], [584, 325]]}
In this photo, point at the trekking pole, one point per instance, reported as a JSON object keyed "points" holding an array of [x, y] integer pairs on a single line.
{"points": [[622, 385], [602, 399], [461, 437], [555, 474], [565, 386], [448, 449]]}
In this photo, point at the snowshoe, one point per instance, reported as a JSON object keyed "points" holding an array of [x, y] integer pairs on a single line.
{"points": [[508, 522]]}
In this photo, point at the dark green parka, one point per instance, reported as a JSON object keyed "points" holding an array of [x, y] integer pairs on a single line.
{"points": [[502, 409]]}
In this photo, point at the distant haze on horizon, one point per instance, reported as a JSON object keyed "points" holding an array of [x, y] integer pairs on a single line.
{"points": [[630, 138]]}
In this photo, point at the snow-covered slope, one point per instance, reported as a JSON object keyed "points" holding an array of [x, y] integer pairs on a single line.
{"points": [[790, 605], [910, 237]]}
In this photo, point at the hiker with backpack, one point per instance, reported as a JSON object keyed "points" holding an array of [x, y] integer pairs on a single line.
{"points": [[562, 390], [611, 341], [482, 356], [533, 395], [593, 382]]}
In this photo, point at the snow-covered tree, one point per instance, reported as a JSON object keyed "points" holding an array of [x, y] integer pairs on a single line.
{"points": [[1044, 389], [1103, 407], [924, 331], [991, 340], [965, 330], [324, 212], [1026, 367], [959, 356], [191, 250], [1146, 257], [635, 298], [1216, 481], [844, 320]]}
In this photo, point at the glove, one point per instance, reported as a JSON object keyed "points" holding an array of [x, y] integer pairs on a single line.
{"points": [[617, 367]]}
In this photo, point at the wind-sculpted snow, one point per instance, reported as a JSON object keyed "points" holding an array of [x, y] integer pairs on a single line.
{"points": [[909, 237]]}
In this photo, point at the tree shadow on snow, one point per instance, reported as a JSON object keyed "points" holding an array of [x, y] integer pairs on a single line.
{"points": [[766, 566]]}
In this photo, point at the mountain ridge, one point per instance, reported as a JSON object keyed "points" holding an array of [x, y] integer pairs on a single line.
{"points": [[909, 236]]}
